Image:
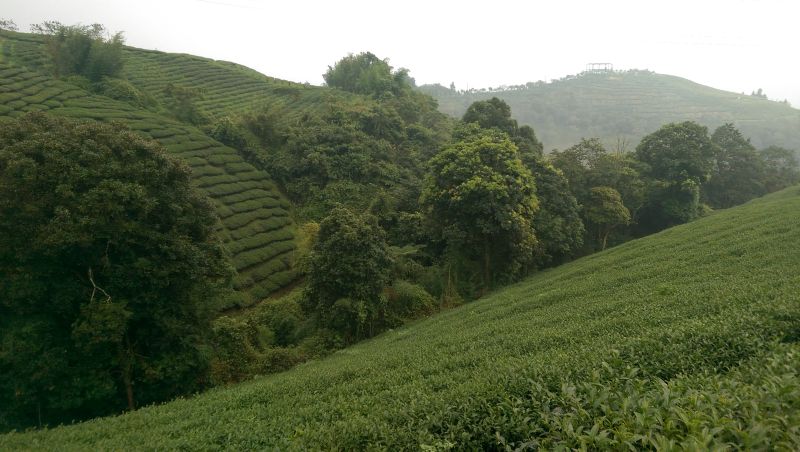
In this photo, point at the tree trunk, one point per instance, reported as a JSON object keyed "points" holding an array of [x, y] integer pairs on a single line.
{"points": [[605, 239], [486, 267], [127, 372]]}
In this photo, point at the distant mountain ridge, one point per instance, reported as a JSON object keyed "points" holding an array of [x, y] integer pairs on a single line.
{"points": [[621, 107]]}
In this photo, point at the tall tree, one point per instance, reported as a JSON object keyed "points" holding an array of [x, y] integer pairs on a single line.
{"points": [[349, 266], [479, 196], [781, 168], [605, 211], [677, 152], [679, 158], [738, 172], [109, 268], [557, 225]]}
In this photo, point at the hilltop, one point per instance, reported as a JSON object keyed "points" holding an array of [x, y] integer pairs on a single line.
{"points": [[629, 105], [686, 338]]}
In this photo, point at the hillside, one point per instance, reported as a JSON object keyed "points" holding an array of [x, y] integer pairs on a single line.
{"points": [[629, 105], [686, 338], [255, 221]]}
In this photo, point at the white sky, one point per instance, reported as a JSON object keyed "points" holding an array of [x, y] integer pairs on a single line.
{"points": [[736, 45]]}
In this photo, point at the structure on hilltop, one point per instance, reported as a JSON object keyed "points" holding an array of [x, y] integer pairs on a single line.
{"points": [[599, 68]]}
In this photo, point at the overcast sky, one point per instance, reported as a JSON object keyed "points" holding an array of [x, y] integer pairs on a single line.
{"points": [[736, 45]]}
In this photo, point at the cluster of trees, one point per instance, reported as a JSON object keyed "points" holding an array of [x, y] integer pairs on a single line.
{"points": [[84, 50], [109, 272]]}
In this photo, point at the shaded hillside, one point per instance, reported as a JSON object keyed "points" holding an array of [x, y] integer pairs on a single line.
{"points": [[670, 341], [629, 105], [255, 226]]}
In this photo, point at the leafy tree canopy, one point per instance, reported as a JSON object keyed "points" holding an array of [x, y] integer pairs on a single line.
{"points": [[365, 73], [604, 211], [496, 114], [348, 268], [738, 172], [479, 196], [781, 168], [677, 152], [86, 50], [109, 269]]}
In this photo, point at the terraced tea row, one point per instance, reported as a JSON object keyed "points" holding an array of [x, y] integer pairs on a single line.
{"points": [[226, 88], [255, 222]]}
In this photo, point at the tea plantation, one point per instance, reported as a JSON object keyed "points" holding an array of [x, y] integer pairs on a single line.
{"points": [[629, 105], [686, 339], [255, 220]]}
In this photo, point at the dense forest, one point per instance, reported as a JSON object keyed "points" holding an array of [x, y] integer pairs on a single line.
{"points": [[127, 274]]}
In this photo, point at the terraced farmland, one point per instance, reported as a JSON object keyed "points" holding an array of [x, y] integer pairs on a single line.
{"points": [[255, 221], [226, 88], [629, 106], [684, 340]]}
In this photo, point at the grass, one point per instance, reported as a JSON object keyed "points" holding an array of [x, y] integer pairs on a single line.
{"points": [[247, 201], [629, 106], [684, 339]]}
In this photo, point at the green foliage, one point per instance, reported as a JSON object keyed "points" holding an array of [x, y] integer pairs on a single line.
{"points": [[123, 90], [677, 152], [181, 101], [229, 132], [738, 172], [604, 211], [570, 358], [557, 224], [108, 263], [269, 338], [492, 113], [679, 157], [480, 199], [367, 74], [349, 266], [496, 114], [407, 301], [781, 168], [85, 50]]}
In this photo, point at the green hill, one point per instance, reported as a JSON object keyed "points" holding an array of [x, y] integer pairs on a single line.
{"points": [[255, 221], [686, 338], [629, 105]]}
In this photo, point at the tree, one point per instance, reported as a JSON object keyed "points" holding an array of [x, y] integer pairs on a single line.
{"points": [[577, 164], [677, 152], [781, 168], [109, 270], [479, 196], [85, 50], [738, 172], [8, 24], [605, 211], [679, 158], [365, 73], [557, 225], [493, 113], [348, 268], [588, 164]]}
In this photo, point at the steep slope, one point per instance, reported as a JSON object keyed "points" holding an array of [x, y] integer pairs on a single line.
{"points": [[666, 341], [255, 222], [629, 105]]}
